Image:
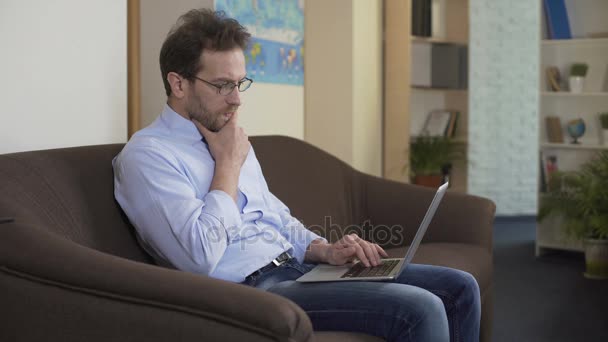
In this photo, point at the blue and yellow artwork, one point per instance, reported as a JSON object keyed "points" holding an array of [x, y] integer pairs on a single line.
{"points": [[276, 51]]}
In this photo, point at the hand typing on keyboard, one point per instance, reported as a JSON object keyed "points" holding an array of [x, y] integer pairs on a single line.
{"points": [[345, 250], [384, 269]]}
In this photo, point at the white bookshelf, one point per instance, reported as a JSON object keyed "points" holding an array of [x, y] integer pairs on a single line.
{"points": [[587, 17], [574, 42], [569, 94], [569, 146]]}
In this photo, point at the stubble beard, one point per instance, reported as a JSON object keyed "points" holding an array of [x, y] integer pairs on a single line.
{"points": [[198, 111]]}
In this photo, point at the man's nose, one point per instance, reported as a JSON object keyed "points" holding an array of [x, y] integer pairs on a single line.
{"points": [[234, 98]]}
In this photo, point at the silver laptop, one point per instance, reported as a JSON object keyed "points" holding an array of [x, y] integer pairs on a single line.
{"points": [[389, 268]]}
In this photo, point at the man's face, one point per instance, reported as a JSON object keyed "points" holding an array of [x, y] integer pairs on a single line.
{"points": [[203, 102]]}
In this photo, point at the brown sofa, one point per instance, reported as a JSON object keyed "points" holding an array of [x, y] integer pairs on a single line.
{"points": [[71, 269]]}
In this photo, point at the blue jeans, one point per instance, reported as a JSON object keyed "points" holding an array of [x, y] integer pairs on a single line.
{"points": [[425, 303]]}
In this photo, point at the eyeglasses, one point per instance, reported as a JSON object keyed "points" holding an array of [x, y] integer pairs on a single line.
{"points": [[227, 88]]}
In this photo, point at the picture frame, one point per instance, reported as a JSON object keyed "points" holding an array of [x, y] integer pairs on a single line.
{"points": [[437, 123]]}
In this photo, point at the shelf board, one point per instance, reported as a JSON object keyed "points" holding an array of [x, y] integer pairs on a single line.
{"points": [[575, 41], [414, 87], [573, 146], [569, 94], [417, 39], [455, 140]]}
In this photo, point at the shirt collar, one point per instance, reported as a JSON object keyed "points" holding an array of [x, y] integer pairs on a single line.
{"points": [[179, 126]]}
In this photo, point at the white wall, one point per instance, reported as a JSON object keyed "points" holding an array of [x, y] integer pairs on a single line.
{"points": [[343, 80], [64, 73], [367, 86], [267, 108], [156, 18], [328, 76], [503, 101]]}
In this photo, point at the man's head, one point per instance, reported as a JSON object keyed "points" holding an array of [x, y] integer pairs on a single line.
{"points": [[201, 61]]}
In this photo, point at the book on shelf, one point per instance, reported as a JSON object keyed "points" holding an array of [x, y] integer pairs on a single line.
{"points": [[422, 18], [439, 65], [542, 186], [421, 58], [548, 169], [449, 66], [554, 78], [440, 123], [556, 17], [554, 129], [451, 130], [438, 13]]}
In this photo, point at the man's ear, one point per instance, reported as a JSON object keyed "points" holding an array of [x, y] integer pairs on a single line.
{"points": [[177, 83]]}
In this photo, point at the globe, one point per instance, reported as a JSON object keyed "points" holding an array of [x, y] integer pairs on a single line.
{"points": [[576, 129]]}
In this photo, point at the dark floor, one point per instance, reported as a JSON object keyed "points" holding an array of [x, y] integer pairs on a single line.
{"points": [[546, 298]]}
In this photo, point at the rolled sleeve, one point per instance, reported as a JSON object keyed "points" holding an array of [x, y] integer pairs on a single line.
{"points": [[292, 229], [298, 235], [221, 206]]}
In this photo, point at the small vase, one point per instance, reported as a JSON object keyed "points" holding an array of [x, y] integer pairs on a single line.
{"points": [[596, 259], [576, 84], [431, 181]]}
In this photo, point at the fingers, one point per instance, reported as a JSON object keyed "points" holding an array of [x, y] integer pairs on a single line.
{"points": [[351, 245], [364, 250], [372, 253], [234, 119], [381, 250]]}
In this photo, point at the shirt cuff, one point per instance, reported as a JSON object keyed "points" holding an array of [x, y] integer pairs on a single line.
{"points": [[221, 206], [302, 240]]}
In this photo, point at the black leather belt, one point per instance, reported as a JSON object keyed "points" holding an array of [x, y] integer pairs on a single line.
{"points": [[278, 261]]}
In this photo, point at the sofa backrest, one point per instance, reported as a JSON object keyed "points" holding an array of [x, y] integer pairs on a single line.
{"points": [[70, 192], [320, 190]]}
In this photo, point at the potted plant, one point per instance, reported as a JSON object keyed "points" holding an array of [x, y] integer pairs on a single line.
{"points": [[430, 156], [581, 199], [604, 125], [578, 71]]}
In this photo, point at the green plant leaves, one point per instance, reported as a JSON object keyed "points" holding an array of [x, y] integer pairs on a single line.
{"points": [[581, 198], [428, 154]]}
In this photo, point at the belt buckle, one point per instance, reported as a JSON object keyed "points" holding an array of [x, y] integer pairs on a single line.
{"points": [[281, 259]]}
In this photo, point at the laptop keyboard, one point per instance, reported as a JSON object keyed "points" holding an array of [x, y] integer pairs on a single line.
{"points": [[359, 270]]}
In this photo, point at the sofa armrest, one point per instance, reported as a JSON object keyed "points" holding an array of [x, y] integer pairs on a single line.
{"points": [[46, 278], [460, 218]]}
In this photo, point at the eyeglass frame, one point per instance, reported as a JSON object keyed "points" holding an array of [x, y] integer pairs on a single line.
{"points": [[234, 85]]}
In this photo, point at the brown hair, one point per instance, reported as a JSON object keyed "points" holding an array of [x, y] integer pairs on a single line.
{"points": [[195, 31]]}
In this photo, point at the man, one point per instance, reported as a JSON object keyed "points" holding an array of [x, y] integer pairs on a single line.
{"points": [[192, 187]]}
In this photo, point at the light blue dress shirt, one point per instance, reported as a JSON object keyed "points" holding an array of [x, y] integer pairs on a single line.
{"points": [[162, 179]]}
